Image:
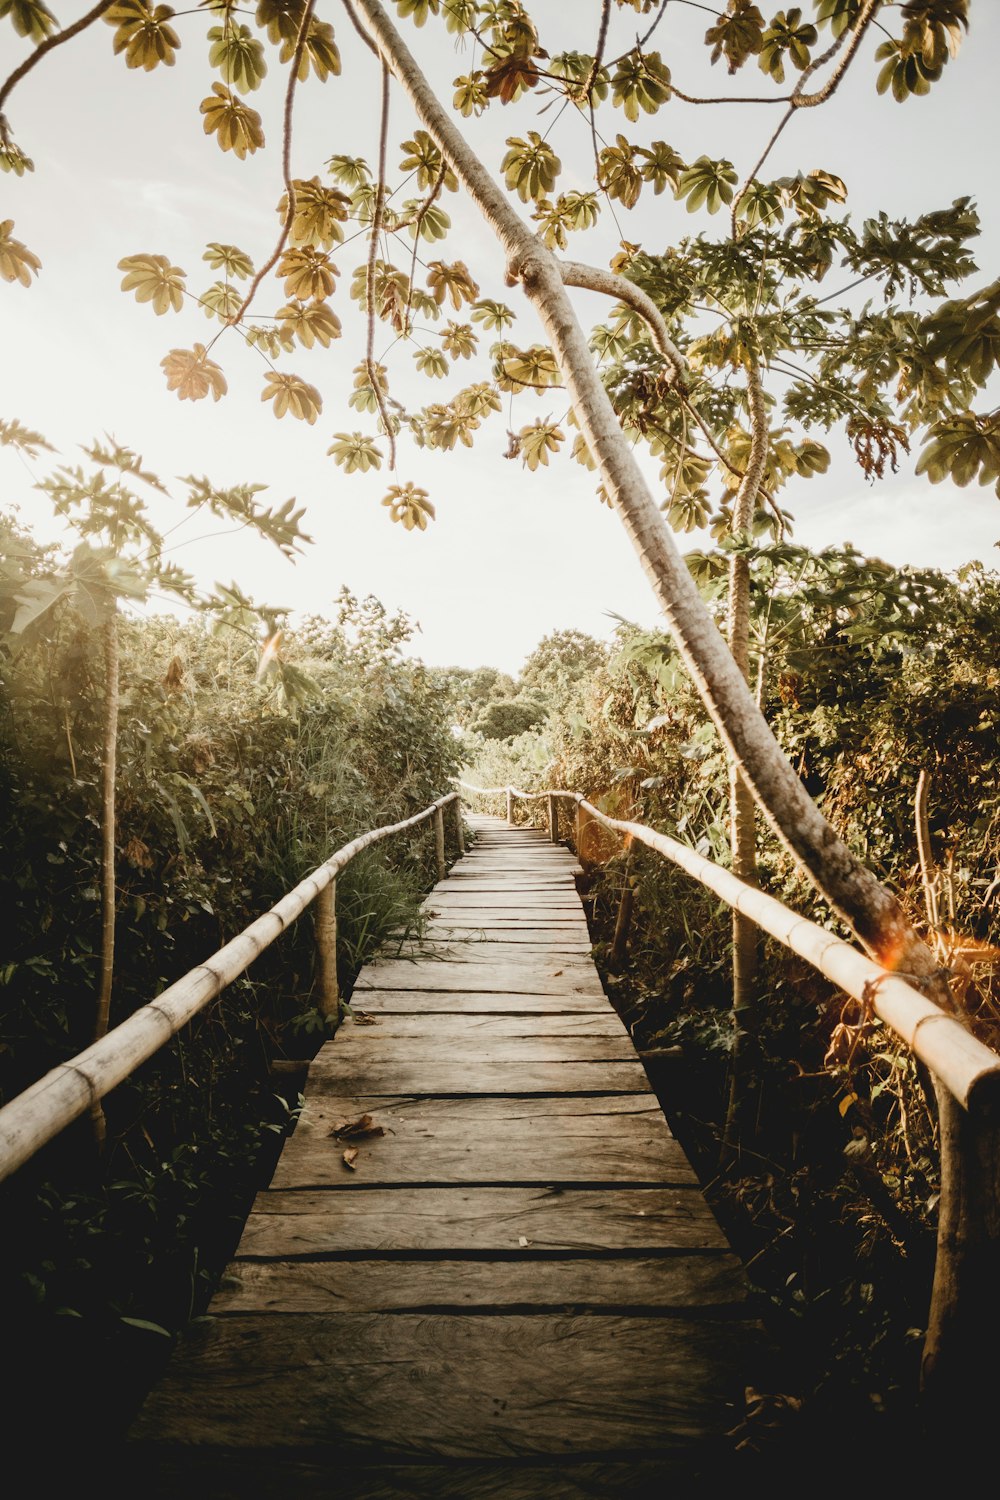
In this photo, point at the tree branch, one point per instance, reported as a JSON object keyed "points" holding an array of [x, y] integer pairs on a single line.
{"points": [[41, 51], [370, 270], [593, 279]]}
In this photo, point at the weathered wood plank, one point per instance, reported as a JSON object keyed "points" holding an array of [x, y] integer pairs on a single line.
{"points": [[444, 1076], [366, 1044], [487, 1152], [409, 1386], [451, 1219], [452, 1027], [476, 1002], [494, 978], [481, 954], [541, 1110], [700, 1282]]}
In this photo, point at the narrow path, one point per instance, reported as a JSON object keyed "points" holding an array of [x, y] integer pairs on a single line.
{"points": [[515, 1289]]}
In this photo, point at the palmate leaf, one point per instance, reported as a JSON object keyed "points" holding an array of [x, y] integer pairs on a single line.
{"points": [[617, 173], [153, 279], [640, 82], [409, 505], [221, 301], [419, 10], [661, 165], [575, 67], [237, 127], [451, 281], [309, 274], [321, 54], [788, 36], [17, 262], [422, 155], [13, 434], [517, 369], [13, 159], [707, 184], [355, 453], [272, 340], [310, 322], [737, 35], [459, 341], [431, 225], [319, 213], [431, 362], [290, 393], [352, 171], [963, 448], [494, 316], [193, 375], [229, 258], [30, 18], [238, 55], [904, 70], [142, 33], [530, 166], [471, 96], [537, 441], [281, 18]]}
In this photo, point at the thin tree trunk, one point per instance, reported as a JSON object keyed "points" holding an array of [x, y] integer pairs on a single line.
{"points": [[872, 911], [109, 761], [742, 821]]}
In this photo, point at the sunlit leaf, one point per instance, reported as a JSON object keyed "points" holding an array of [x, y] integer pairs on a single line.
{"points": [[153, 279], [142, 33], [431, 362], [30, 18], [640, 82], [221, 301], [17, 262], [228, 258], [409, 505], [193, 375], [237, 126], [308, 274], [451, 281], [355, 452], [290, 393], [530, 166], [238, 55], [319, 212], [13, 159], [538, 441], [311, 323]]}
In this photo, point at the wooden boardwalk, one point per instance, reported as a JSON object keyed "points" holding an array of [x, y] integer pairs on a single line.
{"points": [[514, 1289]]}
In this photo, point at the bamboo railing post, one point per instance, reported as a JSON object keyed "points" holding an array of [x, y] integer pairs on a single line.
{"points": [[581, 823], [510, 808], [459, 826], [442, 866], [553, 819], [326, 947], [623, 922]]}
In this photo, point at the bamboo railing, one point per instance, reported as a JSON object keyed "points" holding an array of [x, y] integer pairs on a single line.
{"points": [[69, 1090], [968, 1068]]}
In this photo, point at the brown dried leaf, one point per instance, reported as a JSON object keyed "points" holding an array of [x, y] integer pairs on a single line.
{"points": [[361, 1129], [362, 1018], [351, 1157]]}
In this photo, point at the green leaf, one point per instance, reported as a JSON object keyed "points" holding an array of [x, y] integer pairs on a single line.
{"points": [[153, 279], [431, 362], [221, 301], [238, 55], [451, 282], [737, 35], [537, 441], [292, 394], [310, 322], [13, 159], [308, 274], [319, 213], [530, 166], [471, 96], [143, 33], [419, 10], [707, 184], [640, 82], [237, 127], [30, 18]]}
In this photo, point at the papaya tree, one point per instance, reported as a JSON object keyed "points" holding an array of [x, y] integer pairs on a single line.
{"points": [[721, 355]]}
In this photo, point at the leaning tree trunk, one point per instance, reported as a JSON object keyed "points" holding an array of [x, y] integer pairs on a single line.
{"points": [[109, 767], [873, 912], [742, 821]]}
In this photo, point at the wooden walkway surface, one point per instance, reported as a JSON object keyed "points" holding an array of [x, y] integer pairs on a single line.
{"points": [[515, 1290]]}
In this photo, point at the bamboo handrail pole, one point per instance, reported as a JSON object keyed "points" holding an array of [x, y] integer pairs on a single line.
{"points": [[968, 1068], [38, 1114]]}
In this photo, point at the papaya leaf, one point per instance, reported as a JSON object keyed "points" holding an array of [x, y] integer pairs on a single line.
{"points": [[153, 279], [193, 375], [237, 127], [292, 394], [409, 505], [17, 262]]}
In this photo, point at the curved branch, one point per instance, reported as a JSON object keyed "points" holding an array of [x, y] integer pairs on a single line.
{"points": [[286, 171], [602, 37], [383, 144], [593, 279], [40, 51], [800, 100]]}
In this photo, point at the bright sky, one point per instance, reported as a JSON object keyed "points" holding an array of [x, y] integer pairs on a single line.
{"points": [[123, 166]]}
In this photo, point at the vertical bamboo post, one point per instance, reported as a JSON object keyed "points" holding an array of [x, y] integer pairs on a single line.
{"points": [[442, 867], [510, 808], [553, 819], [623, 923], [581, 824], [459, 826], [326, 947]]}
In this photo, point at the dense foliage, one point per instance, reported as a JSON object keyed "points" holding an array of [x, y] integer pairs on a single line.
{"points": [[870, 675], [238, 771]]}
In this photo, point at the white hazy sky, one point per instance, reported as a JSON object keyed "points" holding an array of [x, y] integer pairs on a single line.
{"points": [[123, 166]]}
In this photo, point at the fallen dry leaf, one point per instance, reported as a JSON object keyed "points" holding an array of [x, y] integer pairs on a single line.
{"points": [[351, 1157], [362, 1018], [361, 1129]]}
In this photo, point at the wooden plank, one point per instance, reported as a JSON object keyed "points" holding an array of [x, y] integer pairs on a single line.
{"points": [[411, 1386], [476, 1151], [703, 1282], [444, 1076], [439, 935], [465, 1002], [213, 1473], [494, 954], [495, 979], [450, 1219], [607, 1110], [453, 1027], [366, 1044]]}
